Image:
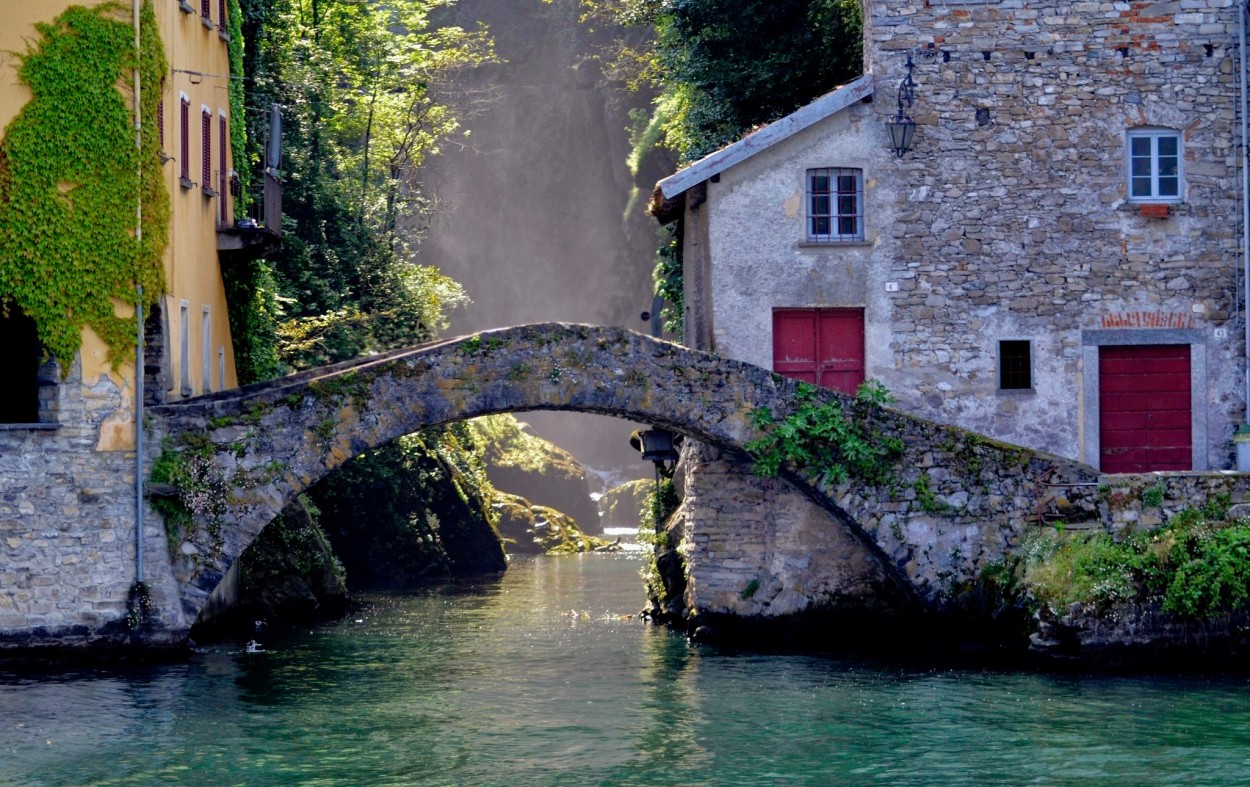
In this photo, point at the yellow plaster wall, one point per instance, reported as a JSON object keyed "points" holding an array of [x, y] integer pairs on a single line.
{"points": [[199, 65]]}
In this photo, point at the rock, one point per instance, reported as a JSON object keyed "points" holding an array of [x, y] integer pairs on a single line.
{"points": [[406, 514], [528, 529], [621, 506], [516, 525], [287, 576], [543, 473]]}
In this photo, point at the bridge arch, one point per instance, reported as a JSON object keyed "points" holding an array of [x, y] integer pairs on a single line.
{"points": [[267, 443]]}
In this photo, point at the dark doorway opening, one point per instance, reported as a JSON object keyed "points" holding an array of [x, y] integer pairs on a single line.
{"points": [[19, 396]]}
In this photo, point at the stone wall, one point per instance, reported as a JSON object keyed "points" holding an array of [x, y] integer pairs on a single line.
{"points": [[1009, 220], [1014, 221], [67, 523]]}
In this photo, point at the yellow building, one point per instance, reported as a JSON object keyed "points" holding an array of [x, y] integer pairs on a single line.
{"points": [[188, 329]]}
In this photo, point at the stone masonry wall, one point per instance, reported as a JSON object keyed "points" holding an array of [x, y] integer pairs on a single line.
{"points": [[1013, 220], [67, 514], [1009, 220]]}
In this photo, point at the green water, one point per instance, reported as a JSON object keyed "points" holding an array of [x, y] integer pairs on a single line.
{"points": [[538, 679]]}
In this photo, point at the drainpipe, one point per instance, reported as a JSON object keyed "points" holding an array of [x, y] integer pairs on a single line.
{"points": [[138, 308]]}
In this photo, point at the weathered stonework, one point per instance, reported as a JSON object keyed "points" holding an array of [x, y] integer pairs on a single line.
{"points": [[269, 442], [953, 504], [67, 513], [1009, 220]]}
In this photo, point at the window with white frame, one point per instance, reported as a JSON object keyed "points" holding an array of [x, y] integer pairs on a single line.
{"points": [[1154, 165], [835, 205]]}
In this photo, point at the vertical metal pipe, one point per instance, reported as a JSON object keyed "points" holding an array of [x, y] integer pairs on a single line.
{"points": [[139, 300], [139, 439], [1245, 205]]}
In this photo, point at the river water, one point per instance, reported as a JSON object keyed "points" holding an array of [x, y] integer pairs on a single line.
{"points": [[543, 678]]}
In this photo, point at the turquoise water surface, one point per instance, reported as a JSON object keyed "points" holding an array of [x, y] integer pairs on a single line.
{"points": [[543, 677]]}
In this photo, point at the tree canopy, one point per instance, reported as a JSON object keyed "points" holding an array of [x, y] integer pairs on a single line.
{"points": [[724, 66], [354, 81]]}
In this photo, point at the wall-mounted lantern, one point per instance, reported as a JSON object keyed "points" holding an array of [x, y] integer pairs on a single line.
{"points": [[901, 128]]}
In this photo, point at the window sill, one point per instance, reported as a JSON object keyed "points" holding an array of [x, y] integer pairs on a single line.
{"points": [[29, 427], [185, 7], [208, 192], [842, 244], [223, 34], [208, 23], [1016, 391], [186, 183]]}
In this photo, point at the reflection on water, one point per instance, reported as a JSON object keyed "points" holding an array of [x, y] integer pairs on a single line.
{"points": [[543, 678]]}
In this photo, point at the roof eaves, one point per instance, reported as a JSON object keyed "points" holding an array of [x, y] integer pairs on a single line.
{"points": [[721, 160]]}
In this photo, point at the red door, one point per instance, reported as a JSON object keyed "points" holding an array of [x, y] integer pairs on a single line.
{"points": [[822, 346], [1144, 408]]}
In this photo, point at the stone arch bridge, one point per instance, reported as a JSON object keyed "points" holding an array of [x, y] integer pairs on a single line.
{"points": [[260, 446]]}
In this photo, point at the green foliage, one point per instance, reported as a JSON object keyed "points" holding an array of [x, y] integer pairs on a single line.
{"points": [[356, 82], [238, 97], [1193, 567], [252, 303], [1153, 497], [824, 441], [202, 494], [414, 509], [70, 176], [509, 444], [660, 504], [292, 544], [750, 590], [669, 278], [723, 66], [925, 496]]}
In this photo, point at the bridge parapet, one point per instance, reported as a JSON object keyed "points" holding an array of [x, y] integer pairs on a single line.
{"points": [[955, 501]]}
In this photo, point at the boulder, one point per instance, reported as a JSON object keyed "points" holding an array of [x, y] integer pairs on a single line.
{"points": [[528, 529], [543, 473], [621, 506], [288, 576]]}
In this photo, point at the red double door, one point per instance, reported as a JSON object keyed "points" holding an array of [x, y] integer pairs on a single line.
{"points": [[1144, 407], [821, 346]]}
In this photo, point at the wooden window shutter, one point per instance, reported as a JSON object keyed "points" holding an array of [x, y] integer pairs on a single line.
{"points": [[184, 143], [206, 170]]}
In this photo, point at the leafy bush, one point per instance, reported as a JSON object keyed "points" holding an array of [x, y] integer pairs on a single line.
{"points": [[1192, 567]]}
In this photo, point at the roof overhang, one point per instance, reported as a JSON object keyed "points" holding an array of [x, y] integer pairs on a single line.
{"points": [[668, 198]]}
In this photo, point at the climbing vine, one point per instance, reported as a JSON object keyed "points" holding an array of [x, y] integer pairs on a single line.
{"points": [[823, 440], [70, 177]]}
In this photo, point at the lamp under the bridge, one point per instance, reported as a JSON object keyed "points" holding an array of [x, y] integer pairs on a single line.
{"points": [[656, 445]]}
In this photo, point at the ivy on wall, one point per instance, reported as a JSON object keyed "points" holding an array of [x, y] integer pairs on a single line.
{"points": [[70, 177], [238, 122]]}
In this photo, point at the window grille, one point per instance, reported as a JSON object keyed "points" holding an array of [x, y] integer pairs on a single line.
{"points": [[1015, 365], [835, 205]]}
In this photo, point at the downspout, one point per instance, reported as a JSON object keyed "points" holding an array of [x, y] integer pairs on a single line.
{"points": [[138, 305], [1245, 205]]}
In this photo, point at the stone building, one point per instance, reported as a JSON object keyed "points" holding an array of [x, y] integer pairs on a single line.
{"points": [[1055, 263], [68, 431]]}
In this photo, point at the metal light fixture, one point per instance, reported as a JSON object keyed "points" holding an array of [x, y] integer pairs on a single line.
{"points": [[656, 445], [901, 128]]}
